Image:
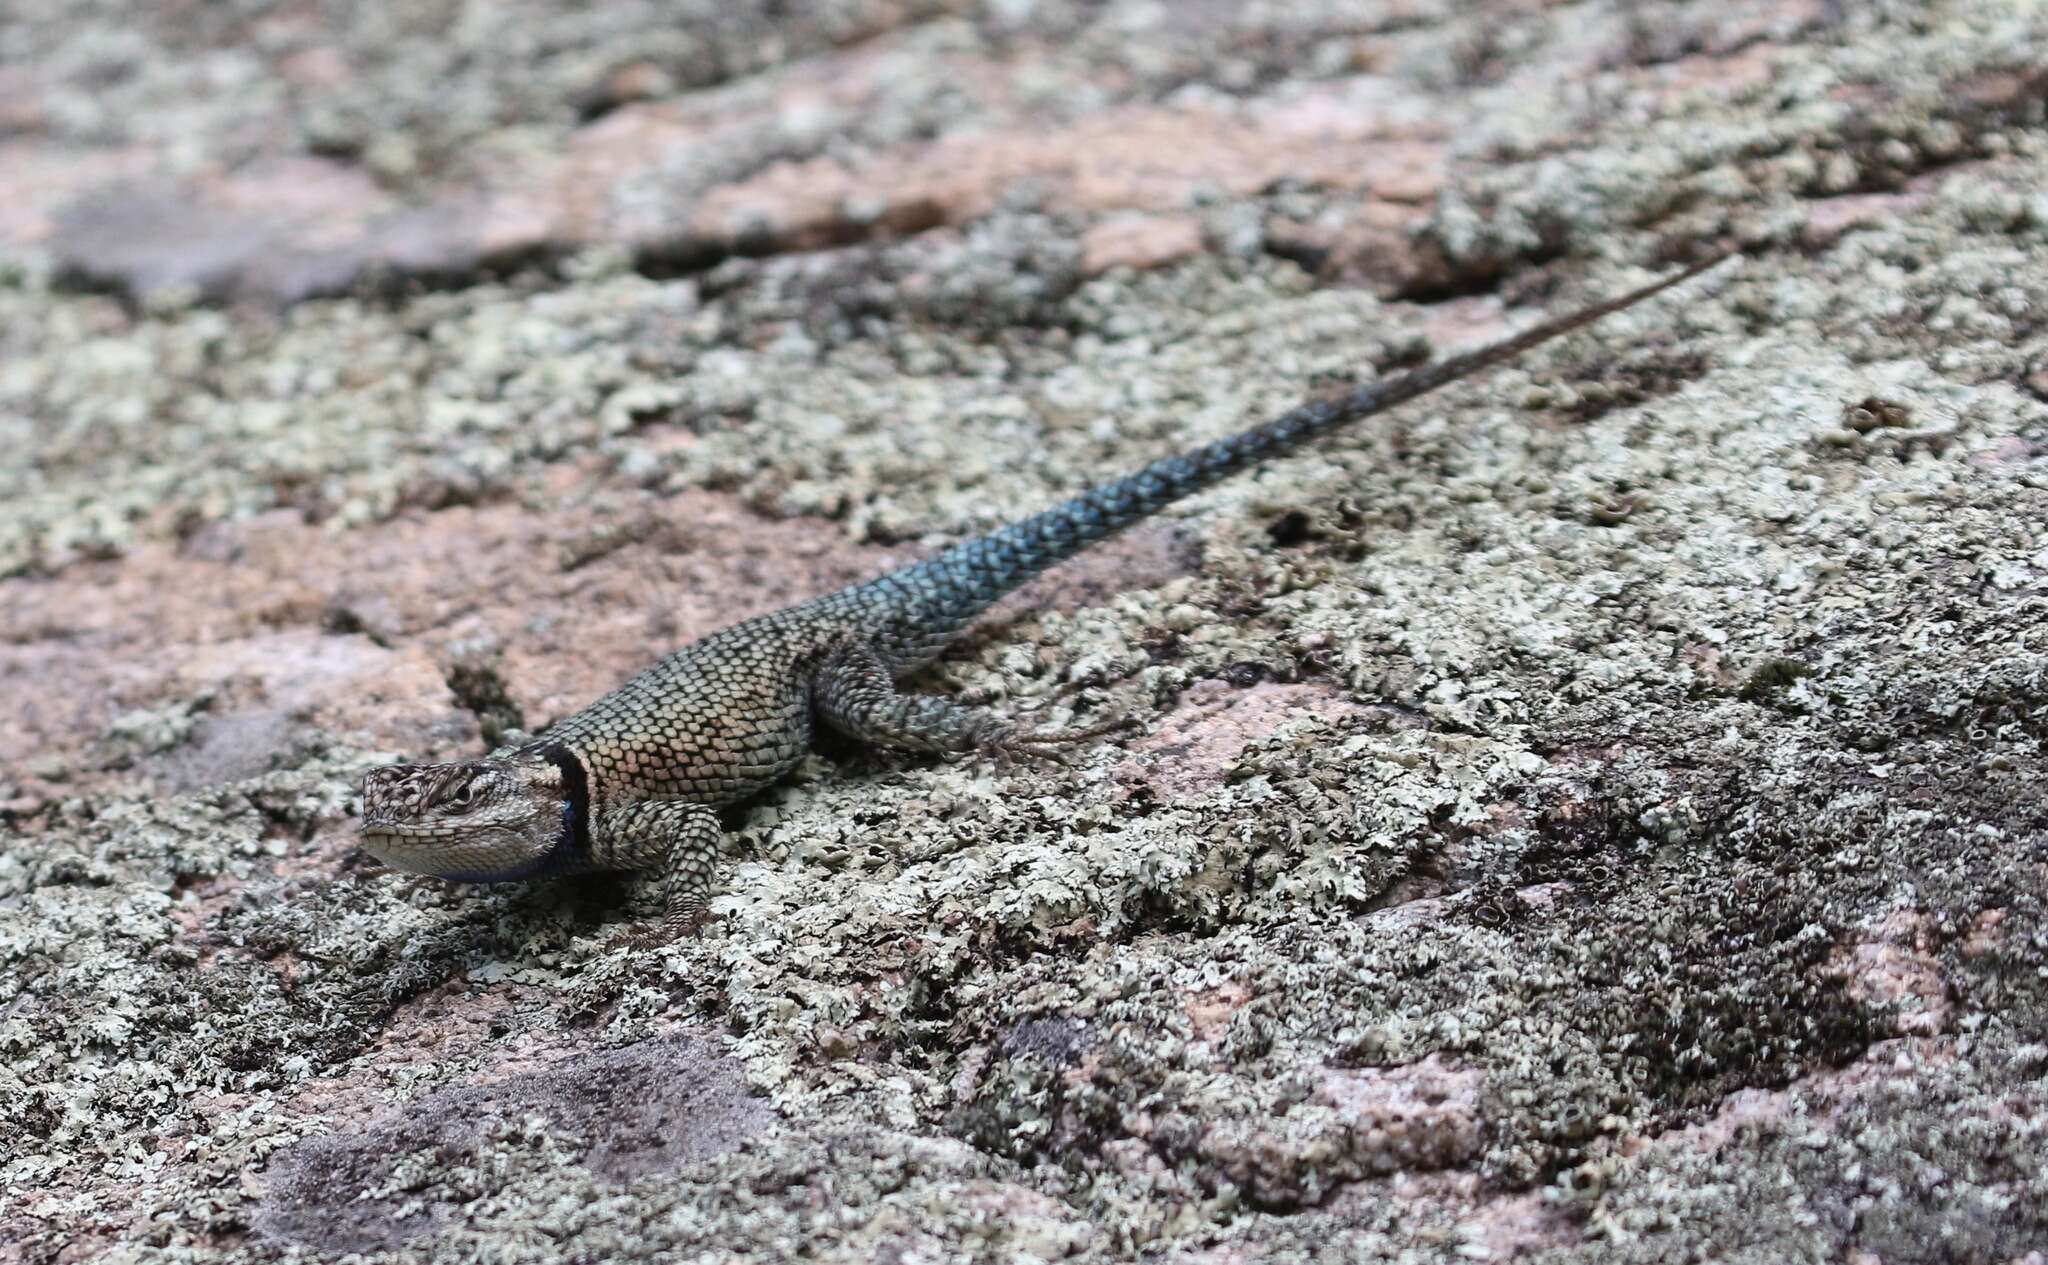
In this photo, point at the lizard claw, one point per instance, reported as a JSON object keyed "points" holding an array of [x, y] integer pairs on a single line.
{"points": [[1005, 748], [658, 935], [636, 941]]}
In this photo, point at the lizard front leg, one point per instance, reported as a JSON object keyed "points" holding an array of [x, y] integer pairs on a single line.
{"points": [[677, 839], [854, 693]]}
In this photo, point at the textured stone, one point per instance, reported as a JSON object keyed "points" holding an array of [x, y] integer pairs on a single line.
{"points": [[1594, 814]]}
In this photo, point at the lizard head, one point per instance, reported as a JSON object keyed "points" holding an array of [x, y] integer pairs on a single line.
{"points": [[474, 821]]}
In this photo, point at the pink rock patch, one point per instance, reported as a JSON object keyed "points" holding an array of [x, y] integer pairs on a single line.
{"points": [[1199, 744], [1139, 242]]}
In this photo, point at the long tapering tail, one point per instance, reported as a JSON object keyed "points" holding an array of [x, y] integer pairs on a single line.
{"points": [[929, 601]]}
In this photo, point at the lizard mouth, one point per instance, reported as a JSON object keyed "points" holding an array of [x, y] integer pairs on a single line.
{"points": [[395, 845], [388, 834], [381, 841], [487, 855]]}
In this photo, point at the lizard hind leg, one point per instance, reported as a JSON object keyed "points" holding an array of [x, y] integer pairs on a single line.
{"points": [[678, 840], [854, 693]]}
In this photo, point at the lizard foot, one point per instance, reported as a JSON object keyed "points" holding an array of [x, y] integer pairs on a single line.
{"points": [[1005, 748], [658, 935]]}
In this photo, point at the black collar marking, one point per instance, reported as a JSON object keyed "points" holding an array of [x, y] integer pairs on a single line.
{"points": [[575, 798]]}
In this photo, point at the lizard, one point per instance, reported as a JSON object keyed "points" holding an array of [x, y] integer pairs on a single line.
{"points": [[634, 781]]}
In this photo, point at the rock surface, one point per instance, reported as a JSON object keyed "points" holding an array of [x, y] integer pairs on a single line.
{"points": [[1596, 814]]}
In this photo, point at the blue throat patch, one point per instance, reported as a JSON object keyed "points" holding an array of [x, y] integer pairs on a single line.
{"points": [[575, 801]]}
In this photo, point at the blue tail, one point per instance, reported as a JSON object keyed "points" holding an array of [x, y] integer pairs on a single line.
{"points": [[923, 605]]}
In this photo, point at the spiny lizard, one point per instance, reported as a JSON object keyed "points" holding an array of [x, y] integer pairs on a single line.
{"points": [[631, 782]]}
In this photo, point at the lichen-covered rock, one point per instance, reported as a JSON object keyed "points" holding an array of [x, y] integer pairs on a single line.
{"points": [[1594, 814]]}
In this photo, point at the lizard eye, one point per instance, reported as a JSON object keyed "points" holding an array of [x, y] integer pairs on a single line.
{"points": [[463, 797]]}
